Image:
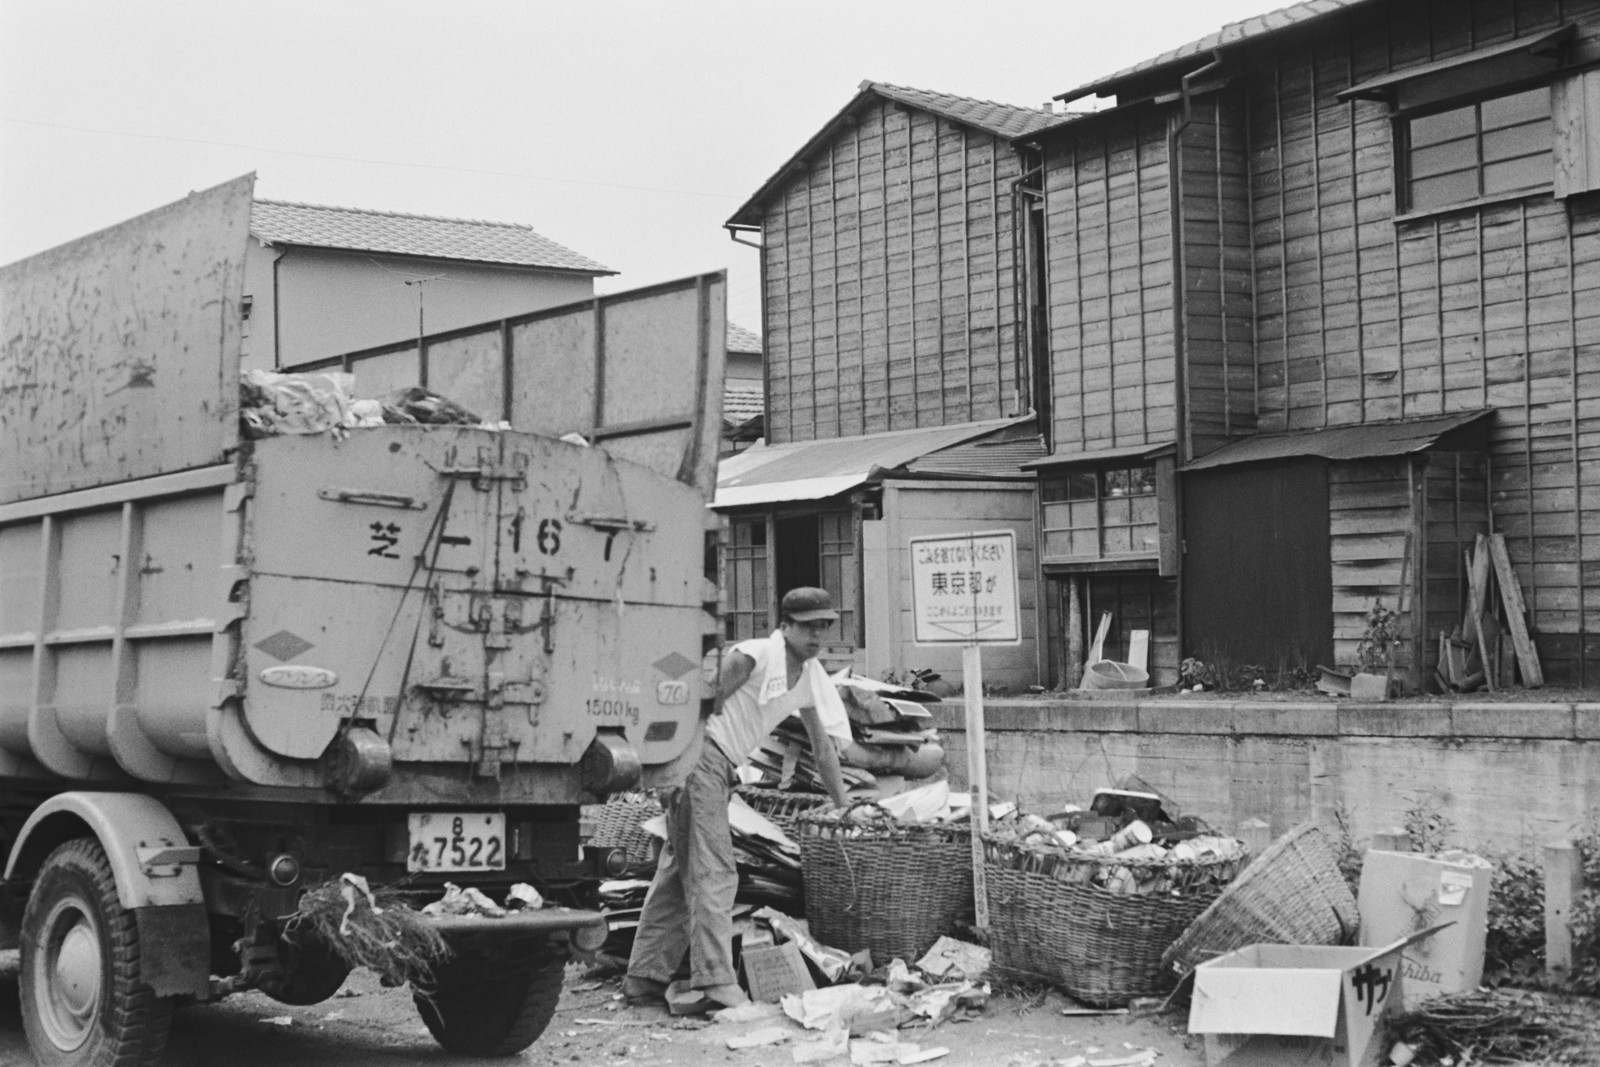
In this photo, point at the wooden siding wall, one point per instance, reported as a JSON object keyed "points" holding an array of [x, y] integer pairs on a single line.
{"points": [[1370, 513], [1365, 317], [1455, 502], [889, 281], [1218, 287], [1108, 223]]}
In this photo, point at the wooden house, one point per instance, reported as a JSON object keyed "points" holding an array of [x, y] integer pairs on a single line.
{"points": [[1316, 291], [900, 375]]}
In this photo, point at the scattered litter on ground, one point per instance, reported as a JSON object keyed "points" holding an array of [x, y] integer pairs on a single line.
{"points": [[279, 1020], [754, 1011], [767, 1035]]}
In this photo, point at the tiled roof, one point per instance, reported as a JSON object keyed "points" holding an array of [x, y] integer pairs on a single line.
{"points": [[1001, 120], [1231, 34], [279, 222], [742, 399], [743, 340]]}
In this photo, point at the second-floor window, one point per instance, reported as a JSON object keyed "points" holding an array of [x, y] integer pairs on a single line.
{"points": [[1482, 150], [1096, 514]]}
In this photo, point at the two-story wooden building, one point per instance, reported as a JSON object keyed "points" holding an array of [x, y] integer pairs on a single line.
{"points": [[1316, 298], [900, 386], [1272, 336]]}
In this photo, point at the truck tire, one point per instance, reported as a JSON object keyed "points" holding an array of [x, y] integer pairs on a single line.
{"points": [[497, 1016], [313, 973], [83, 1003]]}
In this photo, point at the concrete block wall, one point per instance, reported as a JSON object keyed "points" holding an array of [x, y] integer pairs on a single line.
{"points": [[1508, 776]]}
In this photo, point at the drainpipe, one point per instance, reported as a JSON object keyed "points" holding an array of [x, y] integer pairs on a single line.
{"points": [[1180, 345], [1021, 247]]}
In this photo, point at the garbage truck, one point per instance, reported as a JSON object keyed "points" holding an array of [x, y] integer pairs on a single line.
{"points": [[239, 667]]}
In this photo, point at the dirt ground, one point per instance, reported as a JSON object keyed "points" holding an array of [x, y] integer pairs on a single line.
{"points": [[366, 1025]]}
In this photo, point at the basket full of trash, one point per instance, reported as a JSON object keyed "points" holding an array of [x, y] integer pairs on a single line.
{"points": [[1093, 914], [890, 876]]}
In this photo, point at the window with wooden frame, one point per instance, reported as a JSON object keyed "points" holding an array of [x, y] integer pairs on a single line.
{"points": [[747, 604], [1488, 149], [1477, 126], [1102, 513]]}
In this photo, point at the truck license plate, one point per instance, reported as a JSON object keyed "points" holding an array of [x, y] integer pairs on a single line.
{"points": [[457, 841]]}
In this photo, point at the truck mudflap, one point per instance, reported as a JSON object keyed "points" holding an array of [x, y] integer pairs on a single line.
{"points": [[586, 928]]}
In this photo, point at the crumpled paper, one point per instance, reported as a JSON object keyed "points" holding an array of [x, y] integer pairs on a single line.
{"points": [[271, 403], [468, 901], [523, 897]]}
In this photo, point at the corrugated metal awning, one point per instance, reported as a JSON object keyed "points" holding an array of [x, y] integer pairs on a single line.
{"points": [[815, 470], [1102, 455], [1466, 431]]}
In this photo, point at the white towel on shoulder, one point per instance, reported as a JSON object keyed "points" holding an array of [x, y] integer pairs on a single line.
{"points": [[815, 689]]}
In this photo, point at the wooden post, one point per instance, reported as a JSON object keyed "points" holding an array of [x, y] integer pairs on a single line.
{"points": [[1563, 887], [977, 774], [1072, 670]]}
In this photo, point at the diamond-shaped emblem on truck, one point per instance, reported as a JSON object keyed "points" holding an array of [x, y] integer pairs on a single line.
{"points": [[675, 665], [283, 645]]}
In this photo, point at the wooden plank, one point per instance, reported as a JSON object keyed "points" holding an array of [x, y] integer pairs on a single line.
{"points": [[1516, 619], [1478, 570]]}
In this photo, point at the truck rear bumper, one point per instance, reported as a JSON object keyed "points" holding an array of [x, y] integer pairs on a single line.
{"points": [[587, 928]]}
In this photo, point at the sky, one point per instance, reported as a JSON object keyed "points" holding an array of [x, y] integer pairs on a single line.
{"points": [[627, 131]]}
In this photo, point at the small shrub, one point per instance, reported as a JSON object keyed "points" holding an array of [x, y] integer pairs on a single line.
{"points": [[1375, 650]]}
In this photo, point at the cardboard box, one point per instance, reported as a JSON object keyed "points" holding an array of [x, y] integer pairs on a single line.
{"points": [[1288, 1005], [771, 971], [1403, 892]]}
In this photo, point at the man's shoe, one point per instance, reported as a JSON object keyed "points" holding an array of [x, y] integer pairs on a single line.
{"points": [[644, 992], [727, 996]]}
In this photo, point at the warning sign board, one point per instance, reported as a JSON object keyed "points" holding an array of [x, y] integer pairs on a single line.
{"points": [[964, 589]]}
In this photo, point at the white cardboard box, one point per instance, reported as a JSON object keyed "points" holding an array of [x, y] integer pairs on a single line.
{"points": [[1403, 892], [1293, 1005]]}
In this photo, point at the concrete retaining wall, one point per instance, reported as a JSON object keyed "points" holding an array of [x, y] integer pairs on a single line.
{"points": [[1507, 776]]}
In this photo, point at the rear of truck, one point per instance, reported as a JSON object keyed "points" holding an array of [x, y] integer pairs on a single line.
{"points": [[232, 671]]}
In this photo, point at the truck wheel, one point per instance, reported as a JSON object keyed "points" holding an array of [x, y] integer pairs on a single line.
{"points": [[497, 1016], [313, 972], [83, 1002]]}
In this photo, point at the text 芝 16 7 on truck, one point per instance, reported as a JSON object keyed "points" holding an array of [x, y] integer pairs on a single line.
{"points": [[235, 669]]}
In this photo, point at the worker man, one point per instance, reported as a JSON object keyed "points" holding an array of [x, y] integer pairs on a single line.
{"points": [[689, 907]]}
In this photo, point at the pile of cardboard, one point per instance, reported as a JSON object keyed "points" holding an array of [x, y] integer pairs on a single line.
{"points": [[1484, 651], [894, 740]]}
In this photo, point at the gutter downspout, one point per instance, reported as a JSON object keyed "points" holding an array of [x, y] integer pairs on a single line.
{"points": [[1180, 345], [1175, 192], [1026, 360]]}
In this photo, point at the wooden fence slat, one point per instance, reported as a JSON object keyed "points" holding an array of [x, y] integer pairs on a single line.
{"points": [[1511, 597]]}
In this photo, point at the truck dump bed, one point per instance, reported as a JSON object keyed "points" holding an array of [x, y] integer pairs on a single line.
{"points": [[405, 613]]}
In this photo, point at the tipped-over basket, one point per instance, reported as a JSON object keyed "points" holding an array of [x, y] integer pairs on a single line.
{"points": [[1292, 894], [781, 806], [1094, 925], [873, 882]]}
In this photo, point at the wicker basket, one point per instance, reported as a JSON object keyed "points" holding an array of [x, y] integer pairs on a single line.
{"points": [[875, 883], [780, 805], [617, 825], [1049, 919], [1292, 894]]}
